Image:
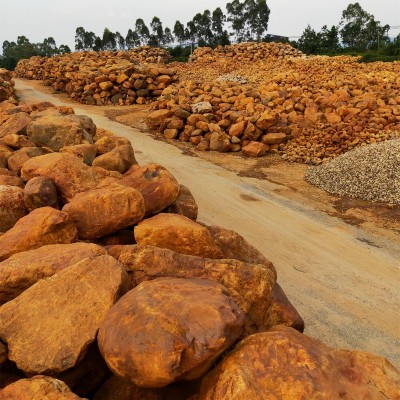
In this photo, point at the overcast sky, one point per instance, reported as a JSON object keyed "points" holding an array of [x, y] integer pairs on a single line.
{"points": [[37, 19]]}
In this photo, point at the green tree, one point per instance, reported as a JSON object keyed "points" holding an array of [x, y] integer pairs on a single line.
{"points": [[142, 31], [79, 38], [179, 32], [120, 40], [48, 48], [359, 29], [157, 35], [309, 42], [167, 37], [64, 49], [109, 40], [329, 39], [220, 35], [237, 18], [132, 39], [256, 15]]}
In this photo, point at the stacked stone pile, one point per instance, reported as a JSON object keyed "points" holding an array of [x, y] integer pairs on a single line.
{"points": [[110, 289], [325, 106], [245, 52], [6, 85], [103, 78]]}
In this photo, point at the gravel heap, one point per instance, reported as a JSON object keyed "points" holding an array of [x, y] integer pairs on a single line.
{"points": [[231, 78], [370, 172]]}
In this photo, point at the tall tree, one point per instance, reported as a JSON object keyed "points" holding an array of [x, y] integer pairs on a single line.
{"points": [[256, 19], [167, 37], [48, 48], [179, 32], [109, 40], [120, 40], [132, 39], [329, 39], [220, 34], [360, 30], [157, 35], [142, 31], [309, 41], [79, 38], [237, 18]]}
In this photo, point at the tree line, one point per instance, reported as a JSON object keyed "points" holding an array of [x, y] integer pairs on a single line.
{"points": [[247, 20], [357, 31], [23, 48]]}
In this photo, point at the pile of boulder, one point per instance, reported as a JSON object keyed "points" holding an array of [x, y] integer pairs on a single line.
{"points": [[246, 52], [103, 78], [6, 85], [110, 289], [308, 110]]}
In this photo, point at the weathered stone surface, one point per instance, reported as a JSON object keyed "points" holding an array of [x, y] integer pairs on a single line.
{"points": [[235, 246], [49, 327], [40, 192], [108, 143], [22, 270], [189, 323], [53, 130], [250, 285], [158, 187], [12, 206], [18, 158], [15, 124], [16, 141], [38, 388], [185, 204], [282, 311], [119, 159], [156, 118], [255, 149], [41, 227], [105, 210], [283, 363], [119, 389], [267, 120], [11, 180], [202, 107], [86, 152], [274, 138], [68, 173], [177, 233]]}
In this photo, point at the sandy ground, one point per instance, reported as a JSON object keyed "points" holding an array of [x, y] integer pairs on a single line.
{"points": [[337, 258]]}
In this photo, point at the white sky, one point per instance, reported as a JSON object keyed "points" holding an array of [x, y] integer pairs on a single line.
{"points": [[37, 19]]}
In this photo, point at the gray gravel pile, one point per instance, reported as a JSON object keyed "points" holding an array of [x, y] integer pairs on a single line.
{"points": [[231, 78], [370, 173]]}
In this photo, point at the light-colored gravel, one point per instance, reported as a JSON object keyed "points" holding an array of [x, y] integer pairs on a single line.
{"points": [[231, 78], [371, 173]]}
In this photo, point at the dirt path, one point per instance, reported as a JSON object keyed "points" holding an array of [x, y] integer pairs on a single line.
{"points": [[346, 287]]}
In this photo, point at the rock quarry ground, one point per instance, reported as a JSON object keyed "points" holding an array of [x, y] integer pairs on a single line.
{"points": [[337, 258]]}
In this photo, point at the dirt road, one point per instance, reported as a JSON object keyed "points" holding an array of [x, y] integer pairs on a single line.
{"points": [[347, 290]]}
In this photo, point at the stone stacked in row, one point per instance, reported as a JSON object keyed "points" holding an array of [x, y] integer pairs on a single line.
{"points": [[6, 85], [103, 78]]}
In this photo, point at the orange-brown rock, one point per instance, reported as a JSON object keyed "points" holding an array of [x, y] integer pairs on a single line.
{"points": [[235, 246], [19, 157], [108, 143], [86, 152], [255, 149], [250, 285], [16, 141], [188, 324], [119, 159], [119, 389], [15, 124], [267, 119], [185, 204], [22, 270], [156, 118], [105, 210], [40, 192], [283, 363], [49, 327], [10, 179], [40, 227], [68, 173], [157, 185], [282, 311], [177, 233], [274, 138], [38, 388], [12, 206], [52, 129]]}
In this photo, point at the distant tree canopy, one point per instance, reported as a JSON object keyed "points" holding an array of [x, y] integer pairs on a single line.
{"points": [[23, 48], [357, 31], [248, 20]]}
